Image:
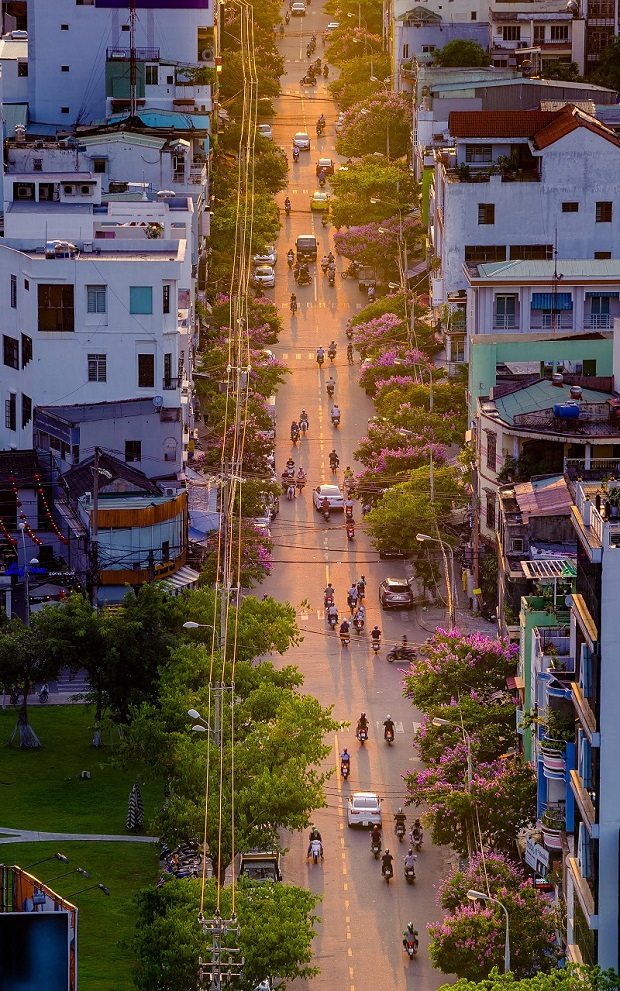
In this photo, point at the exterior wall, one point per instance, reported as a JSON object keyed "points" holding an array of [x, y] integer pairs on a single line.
{"points": [[82, 46], [580, 167], [14, 85]]}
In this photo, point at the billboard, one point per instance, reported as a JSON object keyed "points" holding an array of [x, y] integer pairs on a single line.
{"points": [[34, 950], [155, 4]]}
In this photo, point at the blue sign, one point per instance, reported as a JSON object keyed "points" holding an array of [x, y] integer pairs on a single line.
{"points": [[14, 569]]}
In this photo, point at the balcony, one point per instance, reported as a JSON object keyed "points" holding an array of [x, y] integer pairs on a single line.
{"points": [[593, 420], [553, 753], [586, 898], [553, 825], [120, 54], [551, 321], [585, 799]]}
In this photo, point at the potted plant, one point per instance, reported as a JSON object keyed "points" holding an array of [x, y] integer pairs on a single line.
{"points": [[463, 172], [508, 165]]}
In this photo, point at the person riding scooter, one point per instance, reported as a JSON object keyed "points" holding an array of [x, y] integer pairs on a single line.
{"points": [[334, 460], [315, 836], [388, 722], [386, 862], [375, 836], [362, 723], [410, 936]]}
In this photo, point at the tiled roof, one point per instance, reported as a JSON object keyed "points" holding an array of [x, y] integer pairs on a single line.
{"points": [[544, 497], [569, 119], [498, 123], [115, 476]]}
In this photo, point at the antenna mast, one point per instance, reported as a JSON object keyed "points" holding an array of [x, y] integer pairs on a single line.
{"points": [[132, 58]]}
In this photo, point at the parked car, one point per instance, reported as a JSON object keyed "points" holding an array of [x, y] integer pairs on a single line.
{"points": [[265, 130], [364, 809], [268, 257], [262, 524], [265, 276], [333, 25], [330, 492], [320, 200], [395, 593], [325, 165], [261, 865], [298, 9], [302, 139]]}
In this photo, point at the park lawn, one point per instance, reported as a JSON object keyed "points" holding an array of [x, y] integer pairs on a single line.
{"points": [[42, 788], [103, 922]]}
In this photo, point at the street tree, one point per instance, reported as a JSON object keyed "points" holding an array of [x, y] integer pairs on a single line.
{"points": [[461, 53], [265, 228], [382, 124], [276, 924], [367, 179], [349, 42], [371, 246], [24, 661], [354, 84], [366, 12], [250, 551], [469, 941], [572, 977], [608, 71], [404, 509], [554, 69], [487, 715]]}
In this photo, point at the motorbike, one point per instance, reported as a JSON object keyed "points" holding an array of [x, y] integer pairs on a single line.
{"points": [[324, 219], [351, 272], [388, 872], [293, 306], [375, 848], [322, 179], [416, 839], [315, 851], [345, 768], [325, 71], [295, 154], [410, 944], [300, 484], [290, 259], [287, 17], [376, 646], [331, 279], [348, 512], [295, 435], [350, 531], [351, 602], [290, 491], [401, 654], [317, 65], [361, 585], [43, 696], [308, 80], [287, 209], [320, 358], [328, 600], [303, 426], [388, 736], [362, 734], [399, 829], [330, 388], [325, 513], [334, 466], [345, 639], [359, 625], [350, 354], [332, 620], [305, 279], [335, 419], [349, 332], [324, 267], [410, 875]]}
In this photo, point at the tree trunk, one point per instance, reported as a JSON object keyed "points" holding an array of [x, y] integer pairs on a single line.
{"points": [[27, 736], [97, 734]]}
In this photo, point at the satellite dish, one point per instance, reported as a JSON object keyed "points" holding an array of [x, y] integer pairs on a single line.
{"points": [[158, 402]]}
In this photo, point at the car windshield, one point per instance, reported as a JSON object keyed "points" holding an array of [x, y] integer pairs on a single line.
{"points": [[365, 802], [397, 585]]}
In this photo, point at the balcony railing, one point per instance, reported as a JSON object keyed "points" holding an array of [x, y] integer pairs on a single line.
{"points": [[119, 54], [598, 321], [593, 420], [169, 383]]}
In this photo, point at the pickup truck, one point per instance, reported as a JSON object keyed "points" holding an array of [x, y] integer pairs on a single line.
{"points": [[366, 277]]}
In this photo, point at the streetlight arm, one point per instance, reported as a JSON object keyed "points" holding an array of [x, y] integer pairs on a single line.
{"points": [[474, 896]]}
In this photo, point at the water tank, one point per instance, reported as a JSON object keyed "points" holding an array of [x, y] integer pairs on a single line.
{"points": [[576, 392], [557, 379], [566, 411]]}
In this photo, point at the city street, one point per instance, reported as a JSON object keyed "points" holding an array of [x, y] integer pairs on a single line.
{"points": [[362, 918]]}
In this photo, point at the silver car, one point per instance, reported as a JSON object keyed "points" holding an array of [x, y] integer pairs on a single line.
{"points": [[265, 276], [267, 257], [330, 492], [302, 141], [364, 809]]}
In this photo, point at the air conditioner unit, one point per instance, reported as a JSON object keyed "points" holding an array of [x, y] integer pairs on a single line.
{"points": [[68, 190], [207, 55], [87, 247], [85, 190], [170, 492], [24, 193]]}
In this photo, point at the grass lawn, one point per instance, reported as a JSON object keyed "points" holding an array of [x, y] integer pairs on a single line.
{"points": [[42, 788], [103, 922]]}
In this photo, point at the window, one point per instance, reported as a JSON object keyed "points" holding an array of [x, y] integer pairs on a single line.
{"points": [[485, 253], [486, 213], [26, 285], [26, 410], [559, 32], [64, 68], [169, 80], [99, 165], [64, 27], [505, 310], [405, 51], [97, 368], [478, 153], [511, 32], [95, 299], [22, 69], [10, 412], [473, 15], [140, 299], [166, 299], [26, 350], [133, 450], [165, 551], [55, 308], [539, 34], [13, 292], [517, 545], [490, 510], [602, 255], [603, 212], [152, 75], [10, 351], [491, 450], [570, 207], [37, 164], [64, 110], [146, 371], [168, 371], [531, 252]]}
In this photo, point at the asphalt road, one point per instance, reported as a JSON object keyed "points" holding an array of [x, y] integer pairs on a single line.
{"points": [[359, 937]]}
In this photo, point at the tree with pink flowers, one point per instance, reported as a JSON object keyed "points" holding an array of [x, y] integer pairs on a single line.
{"points": [[255, 558], [377, 125], [371, 246]]}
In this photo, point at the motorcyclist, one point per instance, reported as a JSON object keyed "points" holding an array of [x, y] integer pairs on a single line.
{"points": [[320, 354], [331, 270], [375, 634], [335, 412], [371, 294], [333, 347], [375, 835], [386, 861], [348, 507], [290, 467], [334, 460], [345, 757], [301, 479], [362, 722], [410, 859], [321, 120], [332, 613], [303, 418], [293, 303], [290, 256], [314, 836], [388, 727], [325, 507], [324, 264], [399, 819], [352, 596], [416, 832], [330, 256], [294, 428], [322, 176], [330, 385], [344, 629], [350, 353], [295, 154], [410, 935], [360, 614], [348, 474], [287, 204], [328, 593]]}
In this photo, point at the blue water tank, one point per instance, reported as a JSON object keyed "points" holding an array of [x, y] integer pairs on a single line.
{"points": [[566, 411]]}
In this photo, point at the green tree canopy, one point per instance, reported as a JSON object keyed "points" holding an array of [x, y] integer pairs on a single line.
{"points": [[364, 12], [372, 127], [367, 179], [354, 84], [608, 71], [461, 53], [24, 660], [570, 978], [565, 71]]}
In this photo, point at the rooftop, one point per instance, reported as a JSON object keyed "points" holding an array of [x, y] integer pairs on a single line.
{"points": [[539, 397], [98, 411], [572, 271], [114, 477], [543, 127], [543, 497]]}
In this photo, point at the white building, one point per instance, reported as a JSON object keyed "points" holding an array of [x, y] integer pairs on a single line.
{"points": [[98, 305], [518, 185], [79, 54], [420, 28], [546, 26], [14, 64]]}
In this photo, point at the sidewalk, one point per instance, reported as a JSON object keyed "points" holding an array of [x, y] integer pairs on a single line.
{"points": [[32, 836], [428, 618]]}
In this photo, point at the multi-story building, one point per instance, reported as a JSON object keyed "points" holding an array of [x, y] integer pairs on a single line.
{"points": [[527, 35], [420, 30], [521, 186], [79, 56], [99, 307]]}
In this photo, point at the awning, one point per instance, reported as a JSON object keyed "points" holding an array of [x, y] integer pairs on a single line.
{"points": [[185, 577], [552, 301]]}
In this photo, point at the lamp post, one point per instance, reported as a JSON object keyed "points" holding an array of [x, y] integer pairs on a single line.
{"points": [[446, 722], [55, 856], [22, 527], [205, 727], [217, 689], [474, 896], [76, 870], [101, 887], [449, 574]]}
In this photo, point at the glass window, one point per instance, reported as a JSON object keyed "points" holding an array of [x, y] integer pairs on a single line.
{"points": [[10, 412], [491, 450], [26, 410], [486, 213], [14, 292], [603, 212], [95, 299], [26, 350], [570, 207], [511, 32], [505, 311], [166, 299], [539, 34], [22, 69], [140, 299], [146, 371], [490, 511], [559, 32], [478, 153], [152, 75], [133, 450], [99, 165], [529, 252], [485, 253], [55, 308], [97, 368], [10, 351]]}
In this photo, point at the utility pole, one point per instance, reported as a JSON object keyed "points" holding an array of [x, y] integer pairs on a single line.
{"points": [[215, 969], [94, 531], [132, 58]]}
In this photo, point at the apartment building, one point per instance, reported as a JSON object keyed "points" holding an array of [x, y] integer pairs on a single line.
{"points": [[527, 35]]}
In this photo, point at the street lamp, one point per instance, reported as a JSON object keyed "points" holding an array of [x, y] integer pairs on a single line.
{"points": [[56, 856], [446, 722], [101, 887], [34, 561], [76, 870], [449, 577], [474, 896], [205, 727]]}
